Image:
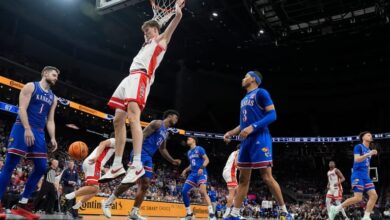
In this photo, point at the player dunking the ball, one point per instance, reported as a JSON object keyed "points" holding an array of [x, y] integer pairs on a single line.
{"points": [[335, 189], [37, 104], [360, 178], [130, 97], [257, 112]]}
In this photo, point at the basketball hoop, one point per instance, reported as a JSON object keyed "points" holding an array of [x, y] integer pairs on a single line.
{"points": [[163, 10]]}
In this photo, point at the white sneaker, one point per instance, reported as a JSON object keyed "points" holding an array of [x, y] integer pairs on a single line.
{"points": [[366, 218], [106, 208], [112, 173], [136, 216], [226, 215], [134, 172]]}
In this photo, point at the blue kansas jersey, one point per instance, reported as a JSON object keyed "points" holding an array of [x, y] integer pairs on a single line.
{"points": [[154, 141], [195, 156], [39, 107], [253, 107]]}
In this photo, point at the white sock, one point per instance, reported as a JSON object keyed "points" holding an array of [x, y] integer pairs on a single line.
{"points": [[137, 158], [342, 210], [117, 161], [211, 210], [111, 199], [228, 210], [77, 205], [283, 208], [70, 196], [23, 201], [134, 210], [235, 212], [188, 209], [367, 214]]}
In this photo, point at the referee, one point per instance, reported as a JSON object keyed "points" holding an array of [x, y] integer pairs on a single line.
{"points": [[47, 195]]}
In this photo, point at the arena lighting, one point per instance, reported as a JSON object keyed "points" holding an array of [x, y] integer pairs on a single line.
{"points": [[215, 14]]}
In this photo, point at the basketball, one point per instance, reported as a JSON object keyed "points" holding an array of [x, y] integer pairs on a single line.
{"points": [[78, 150]]}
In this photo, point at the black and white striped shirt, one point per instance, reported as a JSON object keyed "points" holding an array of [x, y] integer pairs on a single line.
{"points": [[51, 176]]}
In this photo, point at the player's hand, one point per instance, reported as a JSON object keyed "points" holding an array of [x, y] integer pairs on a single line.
{"points": [[227, 137], [176, 162], [200, 172], [183, 174], [373, 152], [54, 144], [29, 138], [92, 160], [179, 5], [247, 131]]}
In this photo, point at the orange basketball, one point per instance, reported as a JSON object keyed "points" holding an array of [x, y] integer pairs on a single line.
{"points": [[78, 150]]}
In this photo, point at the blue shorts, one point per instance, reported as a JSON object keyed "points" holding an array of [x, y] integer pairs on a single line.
{"points": [[147, 162], [194, 180], [17, 145], [255, 151], [361, 183]]}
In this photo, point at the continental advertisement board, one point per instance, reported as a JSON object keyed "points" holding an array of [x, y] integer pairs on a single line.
{"points": [[148, 208]]}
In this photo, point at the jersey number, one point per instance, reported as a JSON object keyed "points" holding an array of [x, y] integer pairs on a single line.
{"points": [[40, 110], [193, 162], [244, 117]]}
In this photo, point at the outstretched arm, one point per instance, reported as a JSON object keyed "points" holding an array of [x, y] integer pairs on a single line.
{"points": [[231, 133], [164, 152], [100, 149], [167, 35]]}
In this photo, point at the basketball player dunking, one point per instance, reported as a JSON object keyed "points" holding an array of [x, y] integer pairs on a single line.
{"points": [[37, 104], [130, 97], [335, 189], [257, 112]]}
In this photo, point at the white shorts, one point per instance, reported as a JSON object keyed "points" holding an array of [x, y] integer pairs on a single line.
{"points": [[133, 88], [335, 194], [91, 172], [231, 180]]}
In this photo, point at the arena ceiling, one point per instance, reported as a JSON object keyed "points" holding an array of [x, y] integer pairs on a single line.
{"points": [[325, 62]]}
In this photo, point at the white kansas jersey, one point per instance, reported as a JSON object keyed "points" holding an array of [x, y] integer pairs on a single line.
{"points": [[148, 58]]}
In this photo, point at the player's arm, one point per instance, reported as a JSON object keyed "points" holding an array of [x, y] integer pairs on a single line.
{"points": [[357, 154], [186, 170], [51, 127], [340, 175], [167, 35], [100, 149], [24, 101], [231, 133], [151, 128], [164, 152]]}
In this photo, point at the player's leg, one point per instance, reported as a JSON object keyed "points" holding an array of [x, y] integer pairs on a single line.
{"points": [[83, 191], [188, 185], [372, 198], [106, 204], [40, 166], [328, 201], [357, 197], [242, 191], [338, 196], [206, 197], [273, 186], [120, 136], [229, 203], [143, 186], [5, 175]]}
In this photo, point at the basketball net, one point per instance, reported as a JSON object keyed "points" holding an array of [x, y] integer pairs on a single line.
{"points": [[163, 10]]}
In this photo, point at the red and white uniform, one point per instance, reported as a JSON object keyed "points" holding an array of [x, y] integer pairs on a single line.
{"points": [[92, 172], [136, 86], [230, 170], [335, 189]]}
